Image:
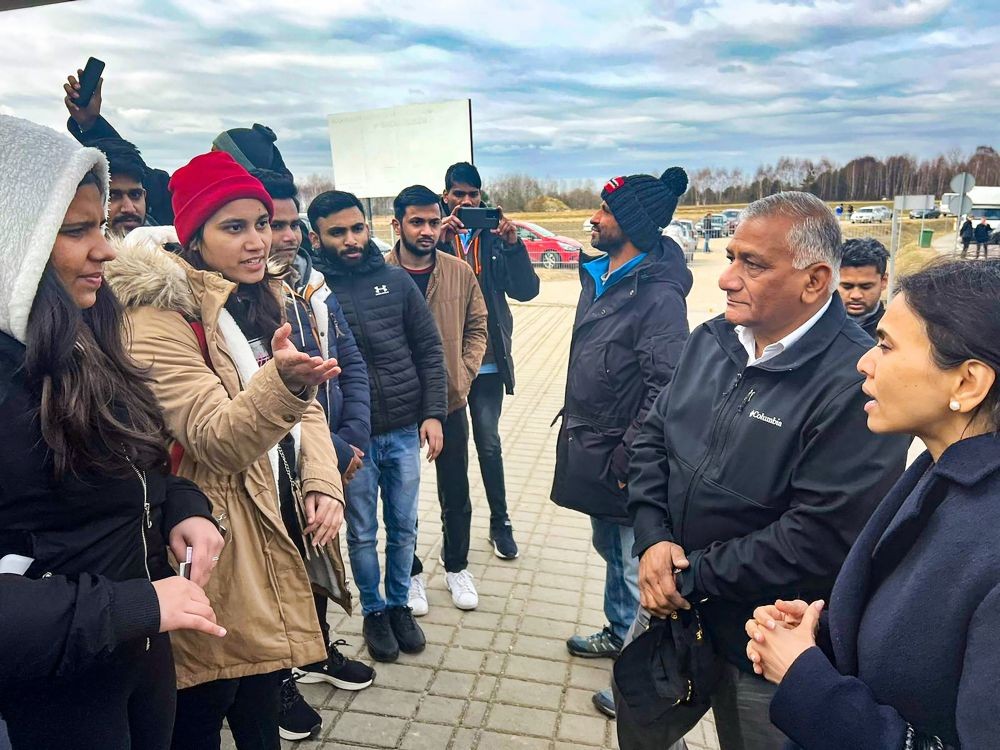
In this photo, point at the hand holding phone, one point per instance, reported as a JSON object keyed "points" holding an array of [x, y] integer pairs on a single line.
{"points": [[83, 95]]}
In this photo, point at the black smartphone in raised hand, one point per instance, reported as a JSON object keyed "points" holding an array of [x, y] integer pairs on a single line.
{"points": [[89, 78], [479, 218]]}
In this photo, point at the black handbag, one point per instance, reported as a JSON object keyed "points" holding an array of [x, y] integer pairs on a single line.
{"points": [[669, 670]]}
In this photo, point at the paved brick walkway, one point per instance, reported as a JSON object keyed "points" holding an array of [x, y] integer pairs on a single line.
{"points": [[500, 677]]}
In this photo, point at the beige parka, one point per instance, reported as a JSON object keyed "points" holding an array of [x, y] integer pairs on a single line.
{"points": [[229, 424]]}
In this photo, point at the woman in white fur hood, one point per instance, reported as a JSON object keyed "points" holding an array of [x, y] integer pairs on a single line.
{"points": [[87, 504]]}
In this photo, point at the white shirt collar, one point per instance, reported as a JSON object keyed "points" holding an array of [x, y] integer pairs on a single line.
{"points": [[771, 351]]}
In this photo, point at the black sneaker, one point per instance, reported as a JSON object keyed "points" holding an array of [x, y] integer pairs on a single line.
{"points": [[408, 634], [604, 701], [297, 719], [379, 638], [603, 644], [502, 539], [337, 670]]}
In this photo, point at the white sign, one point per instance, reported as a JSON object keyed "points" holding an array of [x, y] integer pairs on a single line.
{"points": [[959, 205], [962, 183], [912, 202], [379, 152]]}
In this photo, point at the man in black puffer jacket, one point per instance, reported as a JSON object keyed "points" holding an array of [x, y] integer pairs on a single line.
{"points": [[399, 340]]}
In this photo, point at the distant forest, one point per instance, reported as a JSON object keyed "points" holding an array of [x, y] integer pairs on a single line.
{"points": [[862, 179]]}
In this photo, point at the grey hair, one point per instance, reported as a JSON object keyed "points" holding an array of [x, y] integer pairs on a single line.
{"points": [[815, 234]]}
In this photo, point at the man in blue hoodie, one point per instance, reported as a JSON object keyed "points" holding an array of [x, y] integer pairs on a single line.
{"points": [[631, 324]]}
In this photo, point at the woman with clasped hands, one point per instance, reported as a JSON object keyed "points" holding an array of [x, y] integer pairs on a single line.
{"points": [[908, 654], [239, 398], [87, 504]]}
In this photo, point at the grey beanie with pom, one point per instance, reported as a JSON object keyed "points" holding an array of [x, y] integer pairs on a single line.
{"points": [[643, 205]]}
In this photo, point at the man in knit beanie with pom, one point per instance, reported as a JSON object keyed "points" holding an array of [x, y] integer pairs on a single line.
{"points": [[631, 324]]}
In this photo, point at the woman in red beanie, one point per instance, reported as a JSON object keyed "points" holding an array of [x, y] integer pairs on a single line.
{"points": [[239, 399]]}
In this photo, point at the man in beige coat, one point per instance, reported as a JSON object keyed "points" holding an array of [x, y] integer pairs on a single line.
{"points": [[459, 309]]}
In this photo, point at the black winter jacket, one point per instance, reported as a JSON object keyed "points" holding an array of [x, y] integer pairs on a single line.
{"points": [[982, 232], [397, 335], [159, 210], [765, 475], [932, 540], [624, 349], [506, 272], [95, 547]]}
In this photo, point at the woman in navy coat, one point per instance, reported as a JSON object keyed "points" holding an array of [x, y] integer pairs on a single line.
{"points": [[909, 653]]}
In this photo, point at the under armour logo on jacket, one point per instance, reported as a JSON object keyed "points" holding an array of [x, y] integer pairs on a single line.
{"points": [[381, 289]]}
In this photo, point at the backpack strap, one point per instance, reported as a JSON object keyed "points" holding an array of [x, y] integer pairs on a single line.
{"points": [[176, 449]]}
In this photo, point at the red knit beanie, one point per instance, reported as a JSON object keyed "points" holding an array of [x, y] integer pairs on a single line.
{"points": [[204, 185]]}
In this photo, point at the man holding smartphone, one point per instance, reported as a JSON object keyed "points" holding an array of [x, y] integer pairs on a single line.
{"points": [[503, 268]]}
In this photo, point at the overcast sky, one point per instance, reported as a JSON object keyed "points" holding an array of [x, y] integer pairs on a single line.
{"points": [[559, 88]]}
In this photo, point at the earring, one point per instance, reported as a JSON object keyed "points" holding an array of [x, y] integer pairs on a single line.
{"points": [[954, 405]]}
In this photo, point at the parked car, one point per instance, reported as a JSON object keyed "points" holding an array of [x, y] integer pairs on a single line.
{"points": [[718, 226], [682, 235], [925, 213], [732, 220], [548, 249], [870, 215]]}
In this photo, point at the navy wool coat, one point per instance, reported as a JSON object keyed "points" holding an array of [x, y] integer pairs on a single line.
{"points": [[913, 634]]}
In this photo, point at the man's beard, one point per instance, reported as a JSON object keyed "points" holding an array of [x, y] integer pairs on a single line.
{"points": [[612, 246], [416, 249]]}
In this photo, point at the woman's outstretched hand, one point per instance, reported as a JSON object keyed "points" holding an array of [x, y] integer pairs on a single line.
{"points": [[297, 369]]}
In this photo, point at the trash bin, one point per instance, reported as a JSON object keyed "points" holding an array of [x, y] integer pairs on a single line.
{"points": [[925, 237]]}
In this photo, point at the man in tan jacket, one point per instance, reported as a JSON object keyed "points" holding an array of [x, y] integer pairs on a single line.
{"points": [[459, 309]]}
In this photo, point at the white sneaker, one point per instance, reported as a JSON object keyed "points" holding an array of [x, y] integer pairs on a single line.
{"points": [[463, 589], [418, 595]]}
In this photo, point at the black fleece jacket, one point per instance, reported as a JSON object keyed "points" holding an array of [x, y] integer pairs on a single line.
{"points": [[95, 547], [765, 475]]}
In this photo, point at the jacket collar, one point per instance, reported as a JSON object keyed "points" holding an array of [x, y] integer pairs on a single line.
{"points": [[970, 461], [816, 341]]}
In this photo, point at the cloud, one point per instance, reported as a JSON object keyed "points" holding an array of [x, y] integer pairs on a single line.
{"points": [[559, 88]]}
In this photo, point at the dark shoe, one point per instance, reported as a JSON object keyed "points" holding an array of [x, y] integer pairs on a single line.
{"points": [[379, 638], [337, 670], [604, 701], [408, 634], [502, 539], [596, 646], [297, 719]]}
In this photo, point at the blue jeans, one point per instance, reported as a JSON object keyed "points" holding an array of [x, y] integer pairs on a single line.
{"points": [[392, 464], [621, 579]]}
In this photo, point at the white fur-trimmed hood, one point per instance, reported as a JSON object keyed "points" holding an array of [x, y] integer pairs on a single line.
{"points": [[40, 170], [146, 274]]}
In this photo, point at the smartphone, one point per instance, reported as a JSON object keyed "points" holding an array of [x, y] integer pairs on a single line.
{"points": [[479, 218], [88, 81], [186, 565]]}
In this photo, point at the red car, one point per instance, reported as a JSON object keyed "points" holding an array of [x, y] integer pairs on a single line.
{"points": [[548, 249]]}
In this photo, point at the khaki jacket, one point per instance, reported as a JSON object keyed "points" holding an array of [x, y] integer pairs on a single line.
{"points": [[260, 589], [459, 309]]}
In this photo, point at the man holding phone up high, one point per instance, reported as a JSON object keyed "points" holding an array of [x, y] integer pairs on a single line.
{"points": [[500, 261]]}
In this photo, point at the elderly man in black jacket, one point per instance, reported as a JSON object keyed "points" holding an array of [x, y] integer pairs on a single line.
{"points": [[503, 269], [754, 471], [631, 323], [399, 340]]}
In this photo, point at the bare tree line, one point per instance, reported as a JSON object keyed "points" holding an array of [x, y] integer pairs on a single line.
{"points": [[861, 179]]}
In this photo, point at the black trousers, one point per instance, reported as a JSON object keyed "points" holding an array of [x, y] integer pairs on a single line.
{"points": [[452, 467], [125, 703], [485, 403], [251, 704]]}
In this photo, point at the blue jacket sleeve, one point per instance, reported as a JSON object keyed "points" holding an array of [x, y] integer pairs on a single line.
{"points": [[356, 423], [821, 709], [55, 626]]}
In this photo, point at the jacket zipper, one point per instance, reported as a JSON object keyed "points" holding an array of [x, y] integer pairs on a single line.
{"points": [[145, 522], [372, 370], [713, 439]]}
